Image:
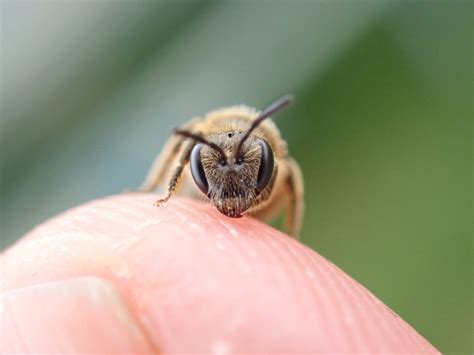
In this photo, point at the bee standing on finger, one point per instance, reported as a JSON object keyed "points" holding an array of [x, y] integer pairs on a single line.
{"points": [[236, 158]]}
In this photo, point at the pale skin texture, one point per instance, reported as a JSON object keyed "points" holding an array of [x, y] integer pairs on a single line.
{"points": [[119, 275], [285, 194]]}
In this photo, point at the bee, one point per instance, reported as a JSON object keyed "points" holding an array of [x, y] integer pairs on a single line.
{"points": [[236, 158]]}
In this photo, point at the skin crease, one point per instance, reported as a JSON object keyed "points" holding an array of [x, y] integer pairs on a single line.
{"points": [[121, 275]]}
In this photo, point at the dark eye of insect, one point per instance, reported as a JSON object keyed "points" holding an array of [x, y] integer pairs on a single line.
{"points": [[222, 162], [266, 165], [240, 160], [230, 134], [197, 171]]}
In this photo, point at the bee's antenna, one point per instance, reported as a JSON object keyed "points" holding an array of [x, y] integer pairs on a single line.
{"points": [[274, 107], [202, 140]]}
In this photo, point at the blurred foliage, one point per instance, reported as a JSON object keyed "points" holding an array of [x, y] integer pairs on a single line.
{"points": [[393, 181], [382, 125]]}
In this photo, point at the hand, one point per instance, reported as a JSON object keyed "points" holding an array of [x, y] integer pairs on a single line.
{"points": [[121, 275]]}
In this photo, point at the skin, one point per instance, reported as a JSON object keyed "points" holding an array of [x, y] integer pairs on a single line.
{"points": [[120, 275]]}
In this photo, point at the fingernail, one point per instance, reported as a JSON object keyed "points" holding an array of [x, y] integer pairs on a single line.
{"points": [[77, 315]]}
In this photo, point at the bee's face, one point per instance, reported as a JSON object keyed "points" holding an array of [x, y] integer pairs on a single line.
{"points": [[233, 182]]}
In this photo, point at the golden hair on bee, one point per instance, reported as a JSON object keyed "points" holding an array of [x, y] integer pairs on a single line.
{"points": [[236, 158]]}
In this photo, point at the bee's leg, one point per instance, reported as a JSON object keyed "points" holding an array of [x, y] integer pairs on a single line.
{"points": [[295, 208], [184, 159], [163, 162]]}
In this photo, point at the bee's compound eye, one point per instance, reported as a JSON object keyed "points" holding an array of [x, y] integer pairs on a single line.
{"points": [[197, 170], [265, 170]]}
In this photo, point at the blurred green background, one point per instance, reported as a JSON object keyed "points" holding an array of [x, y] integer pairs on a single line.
{"points": [[382, 124]]}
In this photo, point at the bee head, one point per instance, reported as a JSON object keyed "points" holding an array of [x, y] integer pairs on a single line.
{"points": [[232, 182], [233, 168]]}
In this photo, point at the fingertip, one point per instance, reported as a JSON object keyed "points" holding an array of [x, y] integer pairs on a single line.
{"points": [[199, 281]]}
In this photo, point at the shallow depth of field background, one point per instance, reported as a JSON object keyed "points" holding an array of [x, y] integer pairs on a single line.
{"points": [[381, 125]]}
